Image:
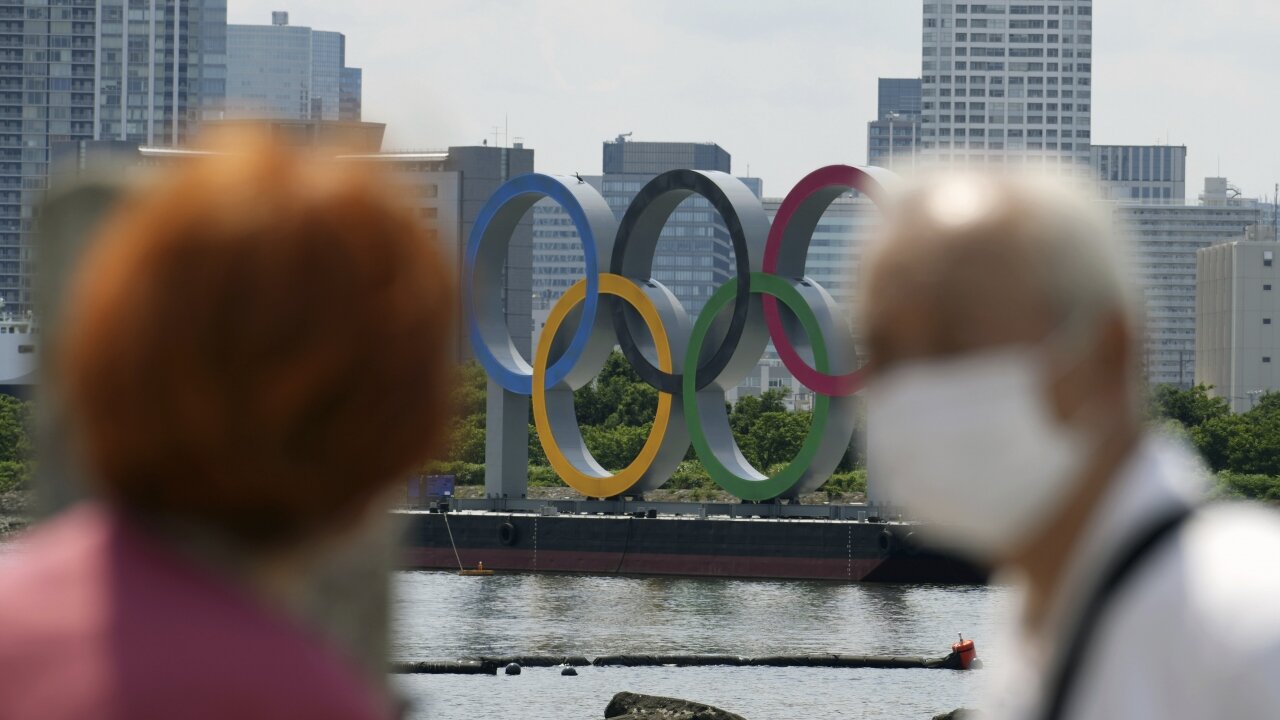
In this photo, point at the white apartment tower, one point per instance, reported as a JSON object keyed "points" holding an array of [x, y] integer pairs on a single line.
{"points": [[1007, 83], [1238, 321]]}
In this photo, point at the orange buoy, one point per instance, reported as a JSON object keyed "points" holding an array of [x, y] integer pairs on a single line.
{"points": [[966, 651]]}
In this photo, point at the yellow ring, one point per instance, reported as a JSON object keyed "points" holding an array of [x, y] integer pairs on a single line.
{"points": [[588, 484]]}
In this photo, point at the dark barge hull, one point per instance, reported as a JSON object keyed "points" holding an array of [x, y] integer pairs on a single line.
{"points": [[843, 550]]}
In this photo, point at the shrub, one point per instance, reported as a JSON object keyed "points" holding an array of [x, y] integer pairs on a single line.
{"points": [[1231, 485], [544, 476], [13, 474], [846, 483], [690, 475]]}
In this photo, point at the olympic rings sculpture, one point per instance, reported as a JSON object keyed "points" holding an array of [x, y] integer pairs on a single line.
{"points": [[692, 364]]}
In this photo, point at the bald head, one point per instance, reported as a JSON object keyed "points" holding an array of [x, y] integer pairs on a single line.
{"points": [[1002, 383], [970, 262]]}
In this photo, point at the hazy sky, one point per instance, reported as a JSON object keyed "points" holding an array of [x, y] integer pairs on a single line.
{"points": [[785, 87]]}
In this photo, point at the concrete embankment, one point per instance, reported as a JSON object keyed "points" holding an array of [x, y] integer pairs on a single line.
{"points": [[491, 665]]}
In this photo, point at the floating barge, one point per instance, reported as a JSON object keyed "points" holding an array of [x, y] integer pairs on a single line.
{"points": [[822, 542]]}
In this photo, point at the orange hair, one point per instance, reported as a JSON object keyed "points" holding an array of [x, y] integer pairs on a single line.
{"points": [[260, 343]]}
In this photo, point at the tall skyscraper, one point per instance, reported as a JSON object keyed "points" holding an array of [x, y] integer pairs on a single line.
{"points": [[288, 72], [139, 71], [893, 138], [1008, 83]]}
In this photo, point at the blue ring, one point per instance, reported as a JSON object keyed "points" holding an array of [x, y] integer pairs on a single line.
{"points": [[558, 190]]}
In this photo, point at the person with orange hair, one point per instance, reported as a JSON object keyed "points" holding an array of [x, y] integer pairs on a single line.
{"points": [[253, 353]]}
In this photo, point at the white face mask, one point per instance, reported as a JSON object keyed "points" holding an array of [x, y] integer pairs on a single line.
{"points": [[970, 447]]}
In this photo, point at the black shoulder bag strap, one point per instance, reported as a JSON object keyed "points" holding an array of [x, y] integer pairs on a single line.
{"points": [[1119, 571]]}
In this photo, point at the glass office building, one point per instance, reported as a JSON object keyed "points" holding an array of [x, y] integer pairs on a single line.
{"points": [[288, 72], [894, 136], [350, 93]]}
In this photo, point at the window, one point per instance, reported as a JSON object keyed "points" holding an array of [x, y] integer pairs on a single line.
{"points": [[1266, 358], [1266, 321], [1267, 257], [1266, 288]]}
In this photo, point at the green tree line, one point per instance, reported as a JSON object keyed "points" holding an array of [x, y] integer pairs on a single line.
{"points": [[1243, 449], [615, 413]]}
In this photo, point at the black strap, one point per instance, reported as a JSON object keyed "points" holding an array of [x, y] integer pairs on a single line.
{"points": [[1120, 570]]}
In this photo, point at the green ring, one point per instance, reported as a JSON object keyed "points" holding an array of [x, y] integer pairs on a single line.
{"points": [[770, 487]]}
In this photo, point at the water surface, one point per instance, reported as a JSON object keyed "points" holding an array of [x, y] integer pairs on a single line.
{"points": [[441, 616]]}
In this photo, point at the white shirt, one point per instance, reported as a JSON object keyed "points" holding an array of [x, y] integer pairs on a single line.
{"points": [[1193, 633]]}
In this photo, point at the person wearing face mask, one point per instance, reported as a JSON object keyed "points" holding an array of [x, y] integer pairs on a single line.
{"points": [[1005, 413]]}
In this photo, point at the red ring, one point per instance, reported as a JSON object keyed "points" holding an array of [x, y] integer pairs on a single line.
{"points": [[850, 178]]}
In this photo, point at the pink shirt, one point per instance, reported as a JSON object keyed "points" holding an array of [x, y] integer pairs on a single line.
{"points": [[98, 620]]}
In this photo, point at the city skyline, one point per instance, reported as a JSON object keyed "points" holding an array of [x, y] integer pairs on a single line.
{"points": [[773, 73]]}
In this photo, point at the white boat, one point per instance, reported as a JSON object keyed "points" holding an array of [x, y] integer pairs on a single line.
{"points": [[19, 350]]}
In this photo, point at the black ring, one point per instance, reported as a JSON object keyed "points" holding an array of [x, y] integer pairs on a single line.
{"points": [[642, 224]]}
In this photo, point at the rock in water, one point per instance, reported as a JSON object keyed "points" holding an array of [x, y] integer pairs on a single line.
{"points": [[961, 714], [632, 706]]}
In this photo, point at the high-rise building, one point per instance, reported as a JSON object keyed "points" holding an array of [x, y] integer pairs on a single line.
{"points": [[1005, 83], [1156, 173], [1164, 241], [138, 71], [894, 136], [1237, 347], [289, 72], [351, 94]]}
